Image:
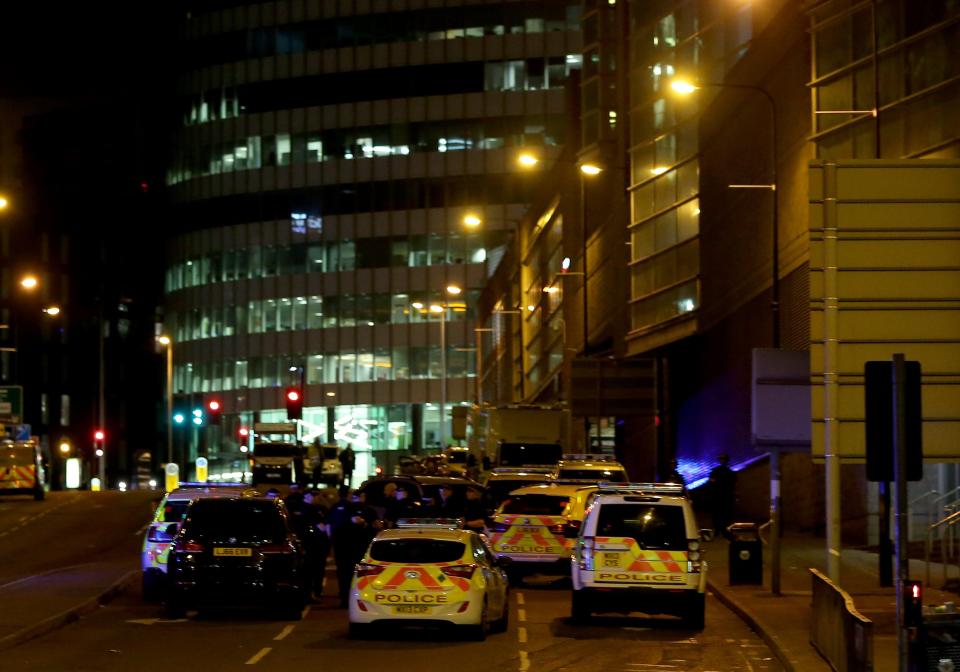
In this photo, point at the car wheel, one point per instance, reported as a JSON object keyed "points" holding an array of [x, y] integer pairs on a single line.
{"points": [[152, 587], [39, 494], [694, 616], [359, 630], [502, 623], [579, 607], [174, 608], [478, 633]]}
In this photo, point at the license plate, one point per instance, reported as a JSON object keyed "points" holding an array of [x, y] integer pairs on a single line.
{"points": [[530, 530], [611, 560], [412, 609], [233, 552]]}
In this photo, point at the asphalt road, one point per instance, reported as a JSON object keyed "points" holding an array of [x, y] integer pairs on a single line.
{"points": [[128, 634]]}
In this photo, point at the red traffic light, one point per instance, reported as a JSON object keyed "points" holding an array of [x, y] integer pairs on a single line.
{"points": [[214, 410], [293, 395], [99, 435], [294, 399], [244, 432], [213, 405]]}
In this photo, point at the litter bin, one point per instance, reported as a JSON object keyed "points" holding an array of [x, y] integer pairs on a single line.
{"points": [[745, 554]]}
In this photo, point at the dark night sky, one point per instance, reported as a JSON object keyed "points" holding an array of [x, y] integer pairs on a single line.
{"points": [[72, 49]]}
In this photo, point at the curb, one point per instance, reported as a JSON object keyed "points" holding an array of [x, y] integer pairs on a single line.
{"points": [[68, 616], [766, 633]]}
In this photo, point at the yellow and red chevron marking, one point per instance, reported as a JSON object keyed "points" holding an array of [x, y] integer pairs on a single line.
{"points": [[394, 577], [18, 477], [648, 561], [546, 521]]}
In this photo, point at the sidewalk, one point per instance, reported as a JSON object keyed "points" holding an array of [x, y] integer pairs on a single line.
{"points": [[35, 605], [784, 622]]}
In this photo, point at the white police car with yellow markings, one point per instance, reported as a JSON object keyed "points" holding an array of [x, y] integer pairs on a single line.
{"points": [[639, 550], [536, 526], [166, 524], [590, 468], [428, 573]]}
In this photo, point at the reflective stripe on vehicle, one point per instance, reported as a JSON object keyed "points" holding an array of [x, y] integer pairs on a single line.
{"points": [[18, 477], [640, 560]]}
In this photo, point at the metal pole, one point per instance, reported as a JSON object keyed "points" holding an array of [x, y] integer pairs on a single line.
{"points": [[831, 387], [586, 323], [170, 402], [443, 374], [900, 499], [775, 253], [100, 402], [775, 521]]}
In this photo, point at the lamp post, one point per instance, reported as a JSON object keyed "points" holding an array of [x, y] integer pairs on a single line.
{"points": [[686, 88], [167, 343]]}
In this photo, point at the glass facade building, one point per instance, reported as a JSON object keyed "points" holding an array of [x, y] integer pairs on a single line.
{"points": [[324, 161]]}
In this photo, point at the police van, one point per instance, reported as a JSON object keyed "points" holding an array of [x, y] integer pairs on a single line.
{"points": [[21, 469], [639, 549]]}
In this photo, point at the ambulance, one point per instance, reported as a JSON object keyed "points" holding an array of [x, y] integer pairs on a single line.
{"points": [[536, 526], [21, 470], [429, 573], [639, 550]]}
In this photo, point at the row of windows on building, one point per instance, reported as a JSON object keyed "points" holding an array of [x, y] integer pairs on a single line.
{"points": [[446, 23], [346, 255], [375, 365], [284, 149], [317, 312], [530, 74]]}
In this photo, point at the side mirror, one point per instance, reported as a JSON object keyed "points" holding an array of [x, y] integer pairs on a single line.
{"points": [[706, 535]]}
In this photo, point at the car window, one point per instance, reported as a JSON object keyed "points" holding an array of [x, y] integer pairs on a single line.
{"points": [[536, 505], [416, 550], [610, 475], [497, 491], [174, 511], [235, 521], [652, 526]]}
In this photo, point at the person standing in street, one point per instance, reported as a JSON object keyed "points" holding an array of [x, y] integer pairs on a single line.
{"points": [[474, 514], [352, 528], [723, 485], [348, 460]]}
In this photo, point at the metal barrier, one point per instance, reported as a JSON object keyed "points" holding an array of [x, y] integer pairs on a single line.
{"points": [[929, 515], [840, 633], [946, 550]]}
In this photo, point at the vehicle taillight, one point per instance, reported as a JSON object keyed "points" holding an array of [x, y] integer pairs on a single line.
{"points": [[365, 569], [559, 528], [190, 547], [586, 554], [276, 548], [461, 571]]}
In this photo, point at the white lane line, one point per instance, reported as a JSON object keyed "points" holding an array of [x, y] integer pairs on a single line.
{"points": [[522, 635], [524, 661], [287, 629], [23, 519], [520, 599], [306, 610], [258, 656], [521, 615]]}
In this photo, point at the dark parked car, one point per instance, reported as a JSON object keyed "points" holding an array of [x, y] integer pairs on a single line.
{"points": [[423, 489], [238, 553]]}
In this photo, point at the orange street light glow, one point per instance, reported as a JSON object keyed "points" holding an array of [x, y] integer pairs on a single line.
{"points": [[590, 169], [528, 160], [29, 282], [472, 221]]}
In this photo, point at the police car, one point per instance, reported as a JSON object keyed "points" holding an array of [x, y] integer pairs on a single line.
{"points": [[500, 482], [587, 468], [536, 525], [639, 550], [429, 573], [165, 525]]}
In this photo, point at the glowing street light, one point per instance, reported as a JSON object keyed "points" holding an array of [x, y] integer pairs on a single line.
{"points": [[163, 340], [417, 305], [52, 311], [683, 87], [64, 447], [528, 160], [436, 308], [4, 203], [590, 169], [29, 282], [472, 221], [454, 290]]}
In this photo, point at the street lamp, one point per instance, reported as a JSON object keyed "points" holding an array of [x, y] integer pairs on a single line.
{"points": [[4, 203], [527, 160], [472, 221], [167, 342], [29, 282], [590, 169], [685, 87], [52, 311]]}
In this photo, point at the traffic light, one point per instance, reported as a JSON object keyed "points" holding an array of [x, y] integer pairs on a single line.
{"points": [[214, 411], [912, 604], [99, 435], [294, 398]]}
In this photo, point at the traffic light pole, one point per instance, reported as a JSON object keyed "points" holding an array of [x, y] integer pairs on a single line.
{"points": [[899, 386]]}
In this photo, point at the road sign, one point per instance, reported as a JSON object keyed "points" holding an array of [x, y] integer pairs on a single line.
{"points": [[21, 432], [202, 466], [11, 403], [171, 476]]}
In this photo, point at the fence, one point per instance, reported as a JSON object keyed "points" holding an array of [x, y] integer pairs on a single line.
{"points": [[842, 635]]}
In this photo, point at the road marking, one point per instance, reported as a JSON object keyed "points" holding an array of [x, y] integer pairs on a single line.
{"points": [[522, 635], [287, 629], [520, 599], [524, 661], [23, 519], [37, 576], [306, 610], [521, 615], [258, 656]]}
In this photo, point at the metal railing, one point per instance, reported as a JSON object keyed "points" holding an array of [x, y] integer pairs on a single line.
{"points": [[946, 549], [840, 633], [930, 514]]}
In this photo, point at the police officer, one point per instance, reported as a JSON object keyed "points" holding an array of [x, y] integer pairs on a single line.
{"points": [[310, 525], [474, 513], [401, 506], [352, 528]]}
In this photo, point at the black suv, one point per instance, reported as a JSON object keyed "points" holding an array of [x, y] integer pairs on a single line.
{"points": [[424, 490], [238, 552]]}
